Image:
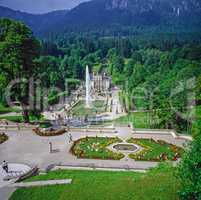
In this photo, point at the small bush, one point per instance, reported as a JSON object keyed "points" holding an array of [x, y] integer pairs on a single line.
{"points": [[47, 133], [3, 138]]}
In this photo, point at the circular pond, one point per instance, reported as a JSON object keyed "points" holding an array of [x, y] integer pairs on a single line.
{"points": [[125, 147]]}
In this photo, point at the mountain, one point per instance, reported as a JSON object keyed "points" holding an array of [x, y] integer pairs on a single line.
{"points": [[174, 15], [39, 23], [136, 12]]}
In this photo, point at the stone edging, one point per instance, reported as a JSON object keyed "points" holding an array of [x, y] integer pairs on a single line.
{"points": [[111, 147], [94, 168], [173, 133]]}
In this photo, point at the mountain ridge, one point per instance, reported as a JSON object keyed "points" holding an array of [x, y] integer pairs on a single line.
{"points": [[107, 13]]}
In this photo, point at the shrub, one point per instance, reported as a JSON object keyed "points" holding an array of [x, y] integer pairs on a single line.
{"points": [[3, 138], [46, 133]]}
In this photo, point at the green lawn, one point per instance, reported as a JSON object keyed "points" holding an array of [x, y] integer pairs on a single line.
{"points": [[5, 110], [19, 118], [139, 119], [95, 148], [158, 184], [154, 149], [96, 108]]}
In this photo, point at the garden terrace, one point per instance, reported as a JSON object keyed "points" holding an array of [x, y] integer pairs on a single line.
{"points": [[96, 148], [155, 150], [80, 109]]}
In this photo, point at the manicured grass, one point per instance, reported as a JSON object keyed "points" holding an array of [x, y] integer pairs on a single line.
{"points": [[5, 110], [45, 125], [139, 119], [158, 184], [19, 118], [96, 108], [16, 118], [3, 138], [95, 148], [153, 150]]}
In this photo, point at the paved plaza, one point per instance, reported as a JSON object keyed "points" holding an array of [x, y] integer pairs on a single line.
{"points": [[26, 147]]}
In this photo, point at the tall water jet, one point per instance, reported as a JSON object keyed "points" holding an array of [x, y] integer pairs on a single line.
{"points": [[88, 98]]}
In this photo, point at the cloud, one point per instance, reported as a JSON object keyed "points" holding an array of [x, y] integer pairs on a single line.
{"points": [[40, 6]]}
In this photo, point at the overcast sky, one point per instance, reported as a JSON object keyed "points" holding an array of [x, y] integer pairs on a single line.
{"points": [[40, 6]]}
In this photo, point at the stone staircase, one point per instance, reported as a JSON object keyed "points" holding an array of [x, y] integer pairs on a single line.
{"points": [[16, 171]]}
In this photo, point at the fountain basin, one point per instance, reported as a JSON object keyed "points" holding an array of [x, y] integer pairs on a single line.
{"points": [[125, 147]]}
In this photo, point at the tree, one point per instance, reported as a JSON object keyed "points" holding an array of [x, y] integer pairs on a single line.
{"points": [[128, 70], [190, 171], [18, 49]]}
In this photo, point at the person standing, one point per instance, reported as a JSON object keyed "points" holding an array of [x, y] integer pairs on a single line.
{"points": [[70, 138], [5, 166], [50, 144]]}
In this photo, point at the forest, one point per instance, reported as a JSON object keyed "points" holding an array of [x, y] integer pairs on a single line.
{"points": [[147, 68]]}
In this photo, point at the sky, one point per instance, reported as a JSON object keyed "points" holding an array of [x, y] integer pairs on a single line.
{"points": [[40, 6]]}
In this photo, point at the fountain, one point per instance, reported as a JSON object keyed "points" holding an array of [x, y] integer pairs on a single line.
{"points": [[126, 147], [88, 88]]}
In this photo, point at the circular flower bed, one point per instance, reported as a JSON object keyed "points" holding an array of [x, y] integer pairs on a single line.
{"points": [[49, 132], [3, 138], [96, 148], [155, 150]]}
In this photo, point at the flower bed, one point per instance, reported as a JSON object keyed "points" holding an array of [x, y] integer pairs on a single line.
{"points": [[46, 133], [96, 148], [3, 138], [156, 151]]}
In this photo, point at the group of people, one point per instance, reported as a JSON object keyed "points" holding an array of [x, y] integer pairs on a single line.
{"points": [[3, 122], [7, 123]]}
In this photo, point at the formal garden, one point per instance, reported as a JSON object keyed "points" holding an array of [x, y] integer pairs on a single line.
{"points": [[146, 150]]}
